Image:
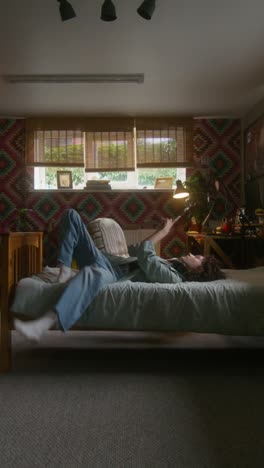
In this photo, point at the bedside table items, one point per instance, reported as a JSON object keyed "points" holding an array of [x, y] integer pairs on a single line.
{"points": [[194, 227], [226, 226], [218, 230], [259, 212], [234, 251]]}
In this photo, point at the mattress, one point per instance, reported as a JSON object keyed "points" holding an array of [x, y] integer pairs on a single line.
{"points": [[233, 306]]}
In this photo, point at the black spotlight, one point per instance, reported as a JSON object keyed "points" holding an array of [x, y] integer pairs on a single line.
{"points": [[66, 10], [108, 11], [146, 9]]}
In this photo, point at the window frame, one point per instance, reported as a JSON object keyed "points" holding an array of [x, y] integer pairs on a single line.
{"points": [[90, 124]]}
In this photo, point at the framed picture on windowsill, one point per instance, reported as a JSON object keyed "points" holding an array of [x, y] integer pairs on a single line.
{"points": [[64, 179], [163, 183]]}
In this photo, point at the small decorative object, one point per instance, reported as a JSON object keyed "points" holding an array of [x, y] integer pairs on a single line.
{"points": [[226, 226], [259, 212], [194, 227], [163, 183], [64, 179], [237, 217]]}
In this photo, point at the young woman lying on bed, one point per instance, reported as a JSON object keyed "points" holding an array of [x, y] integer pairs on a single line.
{"points": [[98, 269]]}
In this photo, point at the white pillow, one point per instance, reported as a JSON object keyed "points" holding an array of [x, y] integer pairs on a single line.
{"points": [[108, 236]]}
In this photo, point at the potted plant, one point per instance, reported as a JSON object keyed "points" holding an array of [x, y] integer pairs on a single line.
{"points": [[199, 189]]}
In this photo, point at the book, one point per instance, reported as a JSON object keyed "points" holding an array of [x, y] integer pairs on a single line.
{"points": [[98, 185], [97, 182]]}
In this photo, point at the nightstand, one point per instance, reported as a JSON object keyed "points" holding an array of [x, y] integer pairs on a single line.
{"points": [[234, 251]]}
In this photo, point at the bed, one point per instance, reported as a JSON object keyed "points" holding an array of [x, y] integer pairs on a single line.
{"points": [[234, 306]]}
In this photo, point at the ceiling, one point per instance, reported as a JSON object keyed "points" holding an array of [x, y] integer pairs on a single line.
{"points": [[199, 58]]}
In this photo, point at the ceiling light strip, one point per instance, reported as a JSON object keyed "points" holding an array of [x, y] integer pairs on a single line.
{"points": [[94, 78]]}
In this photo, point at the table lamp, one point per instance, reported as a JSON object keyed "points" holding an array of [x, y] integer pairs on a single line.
{"points": [[180, 191]]}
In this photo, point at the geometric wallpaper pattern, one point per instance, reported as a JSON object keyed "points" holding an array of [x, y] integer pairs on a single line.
{"points": [[216, 154]]}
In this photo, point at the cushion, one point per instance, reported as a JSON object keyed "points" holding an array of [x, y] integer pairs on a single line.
{"points": [[108, 236]]}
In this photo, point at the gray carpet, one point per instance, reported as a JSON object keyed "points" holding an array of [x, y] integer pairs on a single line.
{"points": [[133, 401]]}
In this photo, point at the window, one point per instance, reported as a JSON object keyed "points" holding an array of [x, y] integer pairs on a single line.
{"points": [[130, 153], [46, 177], [164, 142], [109, 146], [138, 179]]}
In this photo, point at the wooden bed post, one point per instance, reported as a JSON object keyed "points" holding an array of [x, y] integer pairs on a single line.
{"points": [[5, 339], [20, 256], [5, 280]]}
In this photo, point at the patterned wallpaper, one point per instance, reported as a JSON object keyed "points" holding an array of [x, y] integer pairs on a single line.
{"points": [[216, 152]]}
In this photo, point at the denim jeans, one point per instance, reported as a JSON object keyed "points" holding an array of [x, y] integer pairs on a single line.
{"points": [[95, 270]]}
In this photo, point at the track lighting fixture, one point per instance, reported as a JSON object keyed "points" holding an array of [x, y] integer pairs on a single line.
{"points": [[108, 11], [66, 10], [146, 9]]}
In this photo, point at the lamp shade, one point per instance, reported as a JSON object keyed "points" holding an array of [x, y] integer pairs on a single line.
{"points": [[66, 10], [108, 11], [180, 191], [146, 9]]}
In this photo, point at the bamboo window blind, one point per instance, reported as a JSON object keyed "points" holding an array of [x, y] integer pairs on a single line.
{"points": [[164, 142], [109, 144]]}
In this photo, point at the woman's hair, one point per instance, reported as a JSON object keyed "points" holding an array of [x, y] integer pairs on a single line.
{"points": [[209, 270]]}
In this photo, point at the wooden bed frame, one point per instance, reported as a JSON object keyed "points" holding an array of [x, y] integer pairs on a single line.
{"points": [[20, 256]]}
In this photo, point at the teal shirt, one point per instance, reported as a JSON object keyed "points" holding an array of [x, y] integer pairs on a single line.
{"points": [[151, 267]]}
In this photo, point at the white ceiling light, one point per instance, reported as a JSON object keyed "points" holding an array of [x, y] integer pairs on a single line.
{"points": [[91, 78]]}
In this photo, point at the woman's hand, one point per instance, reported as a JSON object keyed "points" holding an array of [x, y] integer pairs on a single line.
{"points": [[162, 232], [168, 223]]}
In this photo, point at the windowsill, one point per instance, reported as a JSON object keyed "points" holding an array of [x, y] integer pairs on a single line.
{"points": [[99, 191]]}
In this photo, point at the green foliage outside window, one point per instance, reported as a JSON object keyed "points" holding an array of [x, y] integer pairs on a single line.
{"points": [[113, 176], [61, 153], [164, 149]]}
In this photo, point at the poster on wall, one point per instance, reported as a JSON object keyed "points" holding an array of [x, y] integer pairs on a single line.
{"points": [[254, 150]]}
